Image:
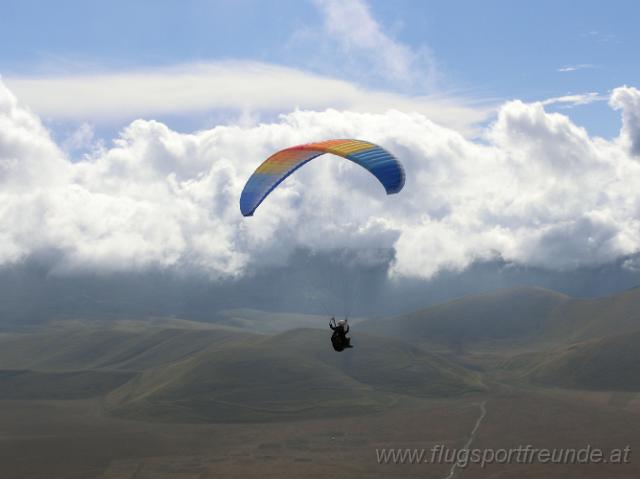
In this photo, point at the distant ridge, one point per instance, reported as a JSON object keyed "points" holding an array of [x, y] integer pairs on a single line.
{"points": [[611, 363], [506, 314]]}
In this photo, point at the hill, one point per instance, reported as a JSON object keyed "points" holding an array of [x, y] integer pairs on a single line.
{"points": [[591, 318], [291, 375], [509, 314], [514, 318], [610, 363], [265, 322], [121, 345], [25, 384]]}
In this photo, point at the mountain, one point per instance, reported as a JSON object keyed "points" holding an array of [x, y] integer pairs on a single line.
{"points": [[268, 322], [114, 345], [173, 370], [591, 318], [609, 363], [508, 314], [536, 334], [514, 318], [25, 384], [291, 375], [176, 370]]}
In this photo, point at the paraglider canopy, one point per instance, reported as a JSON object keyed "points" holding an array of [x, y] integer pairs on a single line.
{"points": [[382, 164]]}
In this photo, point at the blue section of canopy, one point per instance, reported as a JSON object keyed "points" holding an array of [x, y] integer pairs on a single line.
{"points": [[383, 166]]}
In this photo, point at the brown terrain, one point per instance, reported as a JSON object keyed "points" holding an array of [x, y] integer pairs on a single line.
{"points": [[164, 398]]}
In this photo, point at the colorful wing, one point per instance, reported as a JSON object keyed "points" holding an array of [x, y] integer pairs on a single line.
{"points": [[382, 164]]}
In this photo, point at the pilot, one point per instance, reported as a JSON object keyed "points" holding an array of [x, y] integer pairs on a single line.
{"points": [[339, 338]]}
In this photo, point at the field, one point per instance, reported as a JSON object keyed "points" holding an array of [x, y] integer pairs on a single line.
{"points": [[73, 439]]}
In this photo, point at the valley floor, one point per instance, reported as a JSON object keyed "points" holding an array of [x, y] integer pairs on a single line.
{"points": [[71, 439]]}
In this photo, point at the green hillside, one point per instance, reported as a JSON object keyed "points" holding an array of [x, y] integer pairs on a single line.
{"points": [[532, 318], [510, 314], [581, 319], [25, 384], [173, 370], [291, 375], [134, 346], [610, 363], [387, 364]]}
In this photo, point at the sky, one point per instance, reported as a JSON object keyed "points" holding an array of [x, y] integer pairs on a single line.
{"points": [[470, 52], [127, 130]]}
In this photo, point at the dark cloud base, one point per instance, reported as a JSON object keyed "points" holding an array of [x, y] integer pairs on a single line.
{"points": [[318, 283]]}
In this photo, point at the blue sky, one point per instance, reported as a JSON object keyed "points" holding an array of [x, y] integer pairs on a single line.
{"points": [[482, 51]]}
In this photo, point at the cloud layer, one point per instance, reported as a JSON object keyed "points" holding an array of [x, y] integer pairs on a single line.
{"points": [[240, 86], [535, 190]]}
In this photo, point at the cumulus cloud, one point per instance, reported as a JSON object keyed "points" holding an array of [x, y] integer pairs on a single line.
{"points": [[627, 99], [81, 138], [24, 142], [535, 190], [225, 85]]}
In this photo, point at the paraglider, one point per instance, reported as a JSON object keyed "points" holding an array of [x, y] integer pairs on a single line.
{"points": [[339, 338], [379, 162], [275, 169]]}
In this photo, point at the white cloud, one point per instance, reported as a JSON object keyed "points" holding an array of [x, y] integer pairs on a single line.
{"points": [[351, 24], [573, 68], [24, 146], [538, 190], [227, 85], [82, 138], [602, 37], [627, 99], [575, 100]]}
